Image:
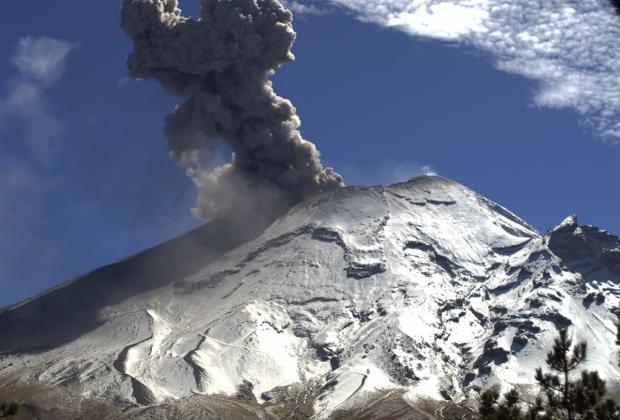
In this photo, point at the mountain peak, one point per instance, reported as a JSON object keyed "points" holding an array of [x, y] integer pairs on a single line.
{"points": [[424, 287], [570, 222]]}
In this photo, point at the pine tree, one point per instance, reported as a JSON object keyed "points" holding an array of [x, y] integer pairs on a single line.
{"points": [[491, 409], [565, 398], [558, 388]]}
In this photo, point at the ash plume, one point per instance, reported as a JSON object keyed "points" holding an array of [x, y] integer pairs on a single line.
{"points": [[220, 64]]}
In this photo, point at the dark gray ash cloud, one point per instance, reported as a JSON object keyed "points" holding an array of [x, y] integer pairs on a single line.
{"points": [[220, 64]]}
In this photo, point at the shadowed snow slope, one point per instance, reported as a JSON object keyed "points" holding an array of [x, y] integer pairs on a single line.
{"points": [[423, 286]]}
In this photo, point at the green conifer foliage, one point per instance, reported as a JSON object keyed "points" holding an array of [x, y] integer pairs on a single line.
{"points": [[563, 359], [491, 409], [565, 398]]}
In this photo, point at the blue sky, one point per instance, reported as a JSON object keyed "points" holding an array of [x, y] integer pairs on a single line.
{"points": [[85, 177]]}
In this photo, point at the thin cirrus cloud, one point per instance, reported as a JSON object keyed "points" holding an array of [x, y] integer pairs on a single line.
{"points": [[39, 64], [569, 47], [43, 59], [27, 176], [304, 9]]}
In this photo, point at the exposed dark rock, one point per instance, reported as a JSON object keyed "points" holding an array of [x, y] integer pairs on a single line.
{"points": [[535, 303], [361, 271], [518, 343], [587, 301], [469, 377], [491, 354], [585, 249], [244, 391]]}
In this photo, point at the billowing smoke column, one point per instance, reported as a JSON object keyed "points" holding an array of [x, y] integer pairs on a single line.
{"points": [[221, 64]]}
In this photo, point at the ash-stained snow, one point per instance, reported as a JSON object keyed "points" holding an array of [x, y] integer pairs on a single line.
{"points": [[423, 286]]}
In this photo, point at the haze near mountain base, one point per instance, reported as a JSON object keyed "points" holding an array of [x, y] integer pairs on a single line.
{"points": [[220, 64]]}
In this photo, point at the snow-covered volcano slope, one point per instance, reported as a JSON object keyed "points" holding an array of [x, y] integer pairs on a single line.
{"points": [[425, 286]]}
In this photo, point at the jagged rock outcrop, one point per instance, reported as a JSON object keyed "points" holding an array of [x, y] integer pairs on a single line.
{"points": [[583, 248]]}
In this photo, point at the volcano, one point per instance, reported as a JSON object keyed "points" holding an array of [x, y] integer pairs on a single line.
{"points": [[353, 299]]}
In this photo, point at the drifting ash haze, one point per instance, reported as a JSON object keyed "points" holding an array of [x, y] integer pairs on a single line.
{"points": [[420, 289], [221, 63]]}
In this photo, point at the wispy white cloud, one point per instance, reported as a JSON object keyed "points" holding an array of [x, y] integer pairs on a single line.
{"points": [[383, 172], [42, 59], [569, 47], [40, 62], [405, 171], [42, 131], [299, 8], [27, 181]]}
